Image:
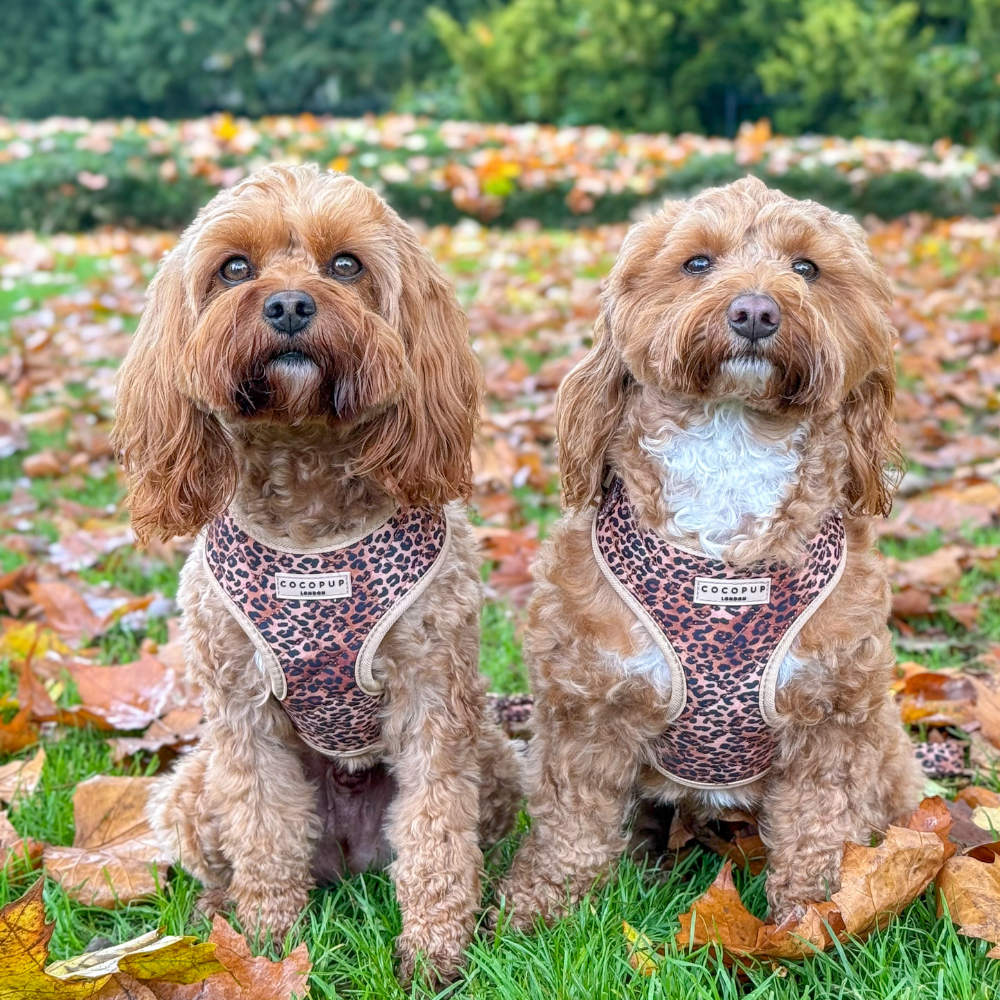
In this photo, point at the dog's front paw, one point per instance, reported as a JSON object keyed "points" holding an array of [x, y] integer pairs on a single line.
{"points": [[212, 901], [527, 902], [790, 893], [273, 912], [436, 960]]}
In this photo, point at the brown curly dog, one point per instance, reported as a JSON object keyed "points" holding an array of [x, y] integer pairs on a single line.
{"points": [[709, 620], [301, 392]]}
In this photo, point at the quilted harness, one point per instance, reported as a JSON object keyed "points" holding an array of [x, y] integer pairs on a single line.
{"points": [[723, 631], [317, 618]]}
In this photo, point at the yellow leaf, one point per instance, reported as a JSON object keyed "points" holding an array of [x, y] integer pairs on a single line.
{"points": [[151, 957], [642, 953]]}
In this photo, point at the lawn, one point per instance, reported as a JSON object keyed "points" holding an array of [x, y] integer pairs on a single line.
{"points": [[67, 307]]}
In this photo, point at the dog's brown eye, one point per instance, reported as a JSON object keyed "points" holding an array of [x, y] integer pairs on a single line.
{"points": [[235, 270], [345, 266], [698, 265], [806, 268]]}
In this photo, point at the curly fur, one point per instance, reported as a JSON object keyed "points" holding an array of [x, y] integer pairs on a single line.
{"points": [[743, 450], [378, 411]]}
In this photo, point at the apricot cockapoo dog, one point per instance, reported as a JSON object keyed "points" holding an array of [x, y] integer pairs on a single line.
{"points": [[301, 392], [709, 621]]}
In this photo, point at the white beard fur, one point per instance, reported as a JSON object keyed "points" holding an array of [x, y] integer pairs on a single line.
{"points": [[717, 475]]}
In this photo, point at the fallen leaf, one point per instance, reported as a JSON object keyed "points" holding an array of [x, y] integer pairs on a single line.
{"points": [[65, 610], [246, 978], [932, 573], [116, 857], [20, 777], [151, 956], [643, 955], [126, 697], [964, 831], [102, 878], [19, 733], [911, 603], [974, 795], [24, 947], [971, 891], [987, 708], [876, 883], [179, 728], [967, 615], [988, 818]]}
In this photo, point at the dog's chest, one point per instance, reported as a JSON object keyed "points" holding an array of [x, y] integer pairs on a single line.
{"points": [[720, 479], [720, 637], [317, 619]]}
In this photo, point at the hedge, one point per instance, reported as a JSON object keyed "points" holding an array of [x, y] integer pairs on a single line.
{"points": [[70, 174]]}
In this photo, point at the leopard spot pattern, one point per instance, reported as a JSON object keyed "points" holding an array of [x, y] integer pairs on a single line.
{"points": [[317, 642], [720, 736]]}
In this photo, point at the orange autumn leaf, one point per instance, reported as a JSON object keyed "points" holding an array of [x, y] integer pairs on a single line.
{"points": [[246, 977], [876, 883], [115, 857], [970, 889]]}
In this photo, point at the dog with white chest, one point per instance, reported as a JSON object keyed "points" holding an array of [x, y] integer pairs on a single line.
{"points": [[708, 626], [301, 393]]}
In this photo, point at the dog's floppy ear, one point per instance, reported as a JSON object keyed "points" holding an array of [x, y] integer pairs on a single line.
{"points": [[589, 407], [179, 465], [875, 462], [421, 450]]}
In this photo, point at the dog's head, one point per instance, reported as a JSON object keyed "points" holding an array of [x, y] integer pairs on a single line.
{"points": [[742, 293], [296, 298]]}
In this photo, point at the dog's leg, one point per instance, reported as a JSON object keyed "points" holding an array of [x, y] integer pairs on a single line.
{"points": [[837, 783], [501, 783], [267, 822], [188, 826], [579, 791], [432, 828]]}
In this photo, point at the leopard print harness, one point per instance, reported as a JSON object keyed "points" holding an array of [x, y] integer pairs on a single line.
{"points": [[723, 631], [318, 618]]}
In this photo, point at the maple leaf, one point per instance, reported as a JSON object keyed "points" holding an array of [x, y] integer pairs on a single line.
{"points": [[246, 977], [875, 884], [115, 857], [970, 889], [24, 949]]}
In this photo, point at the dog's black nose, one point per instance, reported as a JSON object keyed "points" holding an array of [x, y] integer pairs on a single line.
{"points": [[288, 312], [754, 316]]}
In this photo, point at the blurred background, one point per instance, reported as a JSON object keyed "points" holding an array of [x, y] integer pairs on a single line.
{"points": [[520, 139]]}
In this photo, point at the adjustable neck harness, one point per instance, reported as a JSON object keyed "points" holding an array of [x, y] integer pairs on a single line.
{"points": [[723, 631], [317, 618]]}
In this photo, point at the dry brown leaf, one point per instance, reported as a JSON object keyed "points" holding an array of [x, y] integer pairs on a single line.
{"points": [[115, 857], [974, 795], [971, 890], [126, 697], [987, 708], [65, 610], [876, 883], [933, 573], [19, 733], [102, 878], [911, 603], [20, 777], [246, 978], [180, 727]]}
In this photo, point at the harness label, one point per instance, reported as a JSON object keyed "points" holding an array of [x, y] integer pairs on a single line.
{"points": [[312, 586], [755, 590]]}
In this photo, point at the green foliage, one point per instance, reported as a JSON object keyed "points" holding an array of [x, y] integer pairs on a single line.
{"points": [[918, 69], [576, 61], [177, 58], [910, 70]]}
